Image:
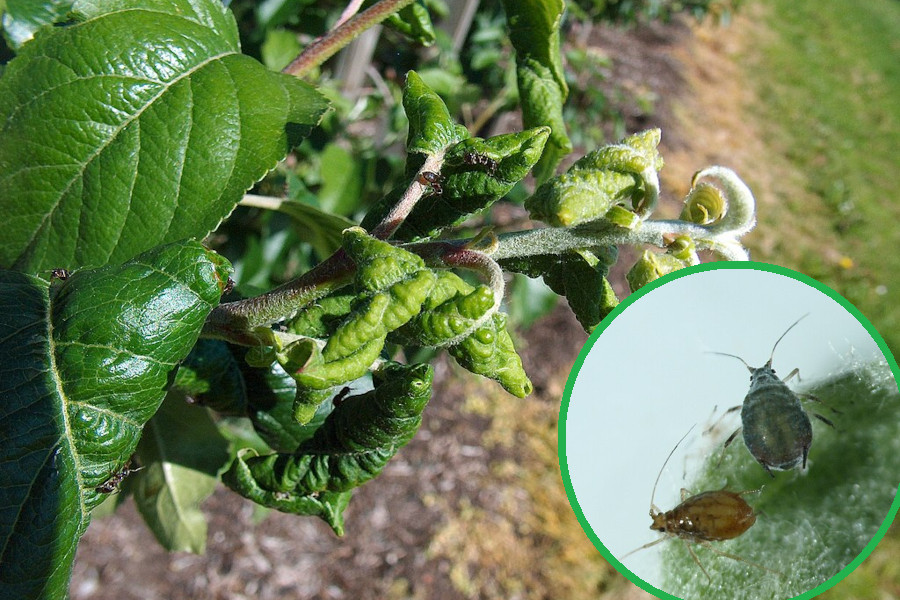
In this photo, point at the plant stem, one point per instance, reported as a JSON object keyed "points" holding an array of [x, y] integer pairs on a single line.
{"points": [[233, 321], [329, 44], [408, 200]]}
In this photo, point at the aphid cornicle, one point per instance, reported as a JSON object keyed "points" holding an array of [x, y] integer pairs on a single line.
{"points": [[777, 430], [711, 516]]}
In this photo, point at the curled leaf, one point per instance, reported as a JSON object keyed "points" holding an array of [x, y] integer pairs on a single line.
{"points": [[616, 175], [431, 128], [476, 173], [703, 205], [392, 284], [351, 447], [451, 309], [534, 32], [579, 275], [650, 267], [490, 352]]}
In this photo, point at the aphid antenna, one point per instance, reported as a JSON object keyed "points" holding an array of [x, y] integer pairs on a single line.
{"points": [[653, 497], [749, 368], [772, 355], [663, 467]]}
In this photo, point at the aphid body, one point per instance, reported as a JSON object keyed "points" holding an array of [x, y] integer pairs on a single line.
{"points": [[476, 159], [61, 274], [433, 181], [111, 485], [710, 516], [776, 428]]}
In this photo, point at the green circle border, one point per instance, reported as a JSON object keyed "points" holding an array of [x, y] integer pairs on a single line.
{"points": [[631, 299]]}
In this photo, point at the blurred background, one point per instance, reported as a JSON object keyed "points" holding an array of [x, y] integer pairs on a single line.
{"points": [[800, 97]]}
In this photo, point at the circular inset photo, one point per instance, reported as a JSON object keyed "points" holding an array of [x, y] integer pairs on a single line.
{"points": [[733, 432]]}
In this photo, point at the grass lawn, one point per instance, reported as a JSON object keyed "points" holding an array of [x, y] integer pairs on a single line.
{"points": [[826, 74]]}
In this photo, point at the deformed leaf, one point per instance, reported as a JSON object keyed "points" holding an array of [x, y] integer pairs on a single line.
{"points": [[270, 395], [139, 123], [392, 284], [431, 128], [451, 309], [476, 173], [579, 275], [534, 32], [608, 177], [84, 363], [650, 267], [181, 453], [211, 377], [353, 445], [490, 352]]}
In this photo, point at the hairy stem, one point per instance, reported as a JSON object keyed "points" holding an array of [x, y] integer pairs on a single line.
{"points": [[233, 321], [329, 44]]}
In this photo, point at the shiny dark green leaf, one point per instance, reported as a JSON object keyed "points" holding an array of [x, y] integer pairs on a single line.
{"points": [[139, 124], [352, 446], [84, 363]]}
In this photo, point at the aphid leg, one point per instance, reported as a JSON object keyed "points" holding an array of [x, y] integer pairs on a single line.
{"points": [[697, 560], [645, 546], [756, 491], [727, 442], [791, 375], [719, 420], [685, 494], [812, 398], [824, 420], [709, 546]]}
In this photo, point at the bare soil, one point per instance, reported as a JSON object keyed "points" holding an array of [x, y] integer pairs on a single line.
{"points": [[474, 506]]}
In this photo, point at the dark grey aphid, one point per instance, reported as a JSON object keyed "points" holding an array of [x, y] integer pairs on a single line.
{"points": [[777, 429]]}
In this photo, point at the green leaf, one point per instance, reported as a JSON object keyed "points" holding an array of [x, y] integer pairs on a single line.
{"points": [[138, 125], [476, 173], [490, 352], [342, 181], [353, 445], [280, 47], [814, 523], [431, 128], [211, 377], [650, 267], [392, 284], [23, 18], [579, 275], [452, 308], [601, 180], [84, 363], [414, 22], [271, 392], [181, 453], [534, 32]]}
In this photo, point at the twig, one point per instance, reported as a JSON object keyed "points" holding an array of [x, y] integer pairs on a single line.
{"points": [[329, 44]]}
